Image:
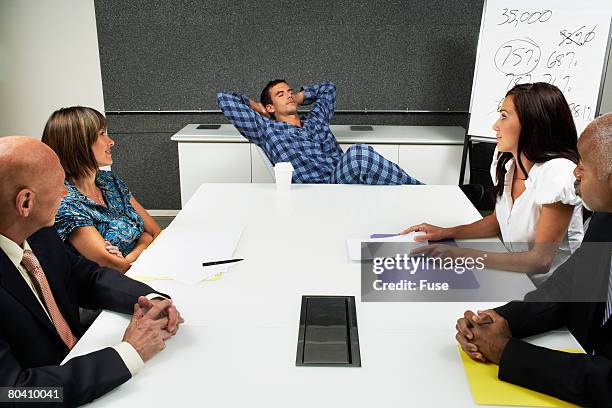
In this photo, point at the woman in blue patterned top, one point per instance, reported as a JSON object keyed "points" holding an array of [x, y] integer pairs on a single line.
{"points": [[99, 216]]}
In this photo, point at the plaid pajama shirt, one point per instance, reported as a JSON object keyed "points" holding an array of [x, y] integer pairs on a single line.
{"points": [[312, 149]]}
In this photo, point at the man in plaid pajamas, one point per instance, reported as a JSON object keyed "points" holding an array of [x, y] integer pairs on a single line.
{"points": [[274, 125]]}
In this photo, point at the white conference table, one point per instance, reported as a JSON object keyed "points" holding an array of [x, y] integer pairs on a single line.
{"points": [[238, 344]]}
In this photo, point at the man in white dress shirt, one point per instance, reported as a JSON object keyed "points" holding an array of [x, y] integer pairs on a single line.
{"points": [[42, 285]]}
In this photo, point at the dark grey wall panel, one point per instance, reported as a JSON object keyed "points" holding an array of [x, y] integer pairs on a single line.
{"points": [[172, 123], [416, 54], [148, 163], [176, 55]]}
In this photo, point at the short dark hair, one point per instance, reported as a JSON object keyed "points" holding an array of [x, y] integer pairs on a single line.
{"points": [[547, 128], [265, 97], [71, 132]]}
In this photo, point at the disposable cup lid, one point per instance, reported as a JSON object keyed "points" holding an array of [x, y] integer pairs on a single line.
{"points": [[283, 166]]}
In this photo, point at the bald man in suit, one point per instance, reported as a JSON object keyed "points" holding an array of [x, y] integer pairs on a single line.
{"points": [[42, 286]]}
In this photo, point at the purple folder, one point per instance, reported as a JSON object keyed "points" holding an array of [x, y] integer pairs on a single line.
{"points": [[374, 236]]}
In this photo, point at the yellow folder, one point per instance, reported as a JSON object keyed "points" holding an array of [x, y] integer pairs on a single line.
{"points": [[487, 389], [147, 279]]}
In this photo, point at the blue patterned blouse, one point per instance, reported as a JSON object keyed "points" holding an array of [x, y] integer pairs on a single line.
{"points": [[118, 222]]}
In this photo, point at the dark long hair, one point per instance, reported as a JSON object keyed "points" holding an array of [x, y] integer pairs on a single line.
{"points": [[547, 128]]}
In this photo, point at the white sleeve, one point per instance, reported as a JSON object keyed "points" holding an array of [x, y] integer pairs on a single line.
{"points": [[128, 353], [130, 357], [494, 167], [154, 295], [555, 183]]}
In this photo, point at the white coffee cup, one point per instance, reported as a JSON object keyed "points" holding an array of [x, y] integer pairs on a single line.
{"points": [[283, 172]]}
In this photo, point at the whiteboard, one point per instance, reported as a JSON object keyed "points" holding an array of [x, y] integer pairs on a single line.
{"points": [[564, 43]]}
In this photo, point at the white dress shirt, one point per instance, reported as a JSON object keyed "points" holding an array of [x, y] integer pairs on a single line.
{"points": [[547, 183], [608, 310], [128, 354]]}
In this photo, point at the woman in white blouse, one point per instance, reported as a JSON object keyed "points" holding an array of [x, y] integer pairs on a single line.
{"points": [[537, 210]]}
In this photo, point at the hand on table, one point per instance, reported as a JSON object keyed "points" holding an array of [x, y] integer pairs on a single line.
{"points": [[165, 310], [431, 232], [146, 332], [483, 336], [491, 338], [444, 251]]}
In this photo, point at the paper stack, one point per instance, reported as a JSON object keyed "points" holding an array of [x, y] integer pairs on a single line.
{"points": [[179, 252]]}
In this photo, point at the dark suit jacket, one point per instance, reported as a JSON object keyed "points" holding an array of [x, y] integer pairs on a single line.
{"points": [[573, 297], [30, 347]]}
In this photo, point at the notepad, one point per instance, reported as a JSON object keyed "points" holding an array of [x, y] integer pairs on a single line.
{"points": [[487, 389], [180, 251]]}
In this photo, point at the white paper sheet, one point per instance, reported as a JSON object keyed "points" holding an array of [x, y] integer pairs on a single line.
{"points": [[181, 250]]}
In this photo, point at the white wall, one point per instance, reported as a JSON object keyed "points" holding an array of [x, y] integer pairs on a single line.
{"points": [[606, 98], [48, 59]]}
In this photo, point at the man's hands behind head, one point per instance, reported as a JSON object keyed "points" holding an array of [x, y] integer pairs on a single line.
{"points": [[259, 108]]}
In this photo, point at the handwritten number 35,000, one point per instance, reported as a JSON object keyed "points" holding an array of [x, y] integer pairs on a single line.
{"points": [[530, 17]]}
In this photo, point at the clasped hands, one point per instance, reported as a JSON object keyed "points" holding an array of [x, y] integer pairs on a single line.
{"points": [[153, 322], [483, 335]]}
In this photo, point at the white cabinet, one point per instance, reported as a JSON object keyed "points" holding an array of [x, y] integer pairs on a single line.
{"points": [[388, 151], [212, 163], [432, 164], [431, 154]]}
